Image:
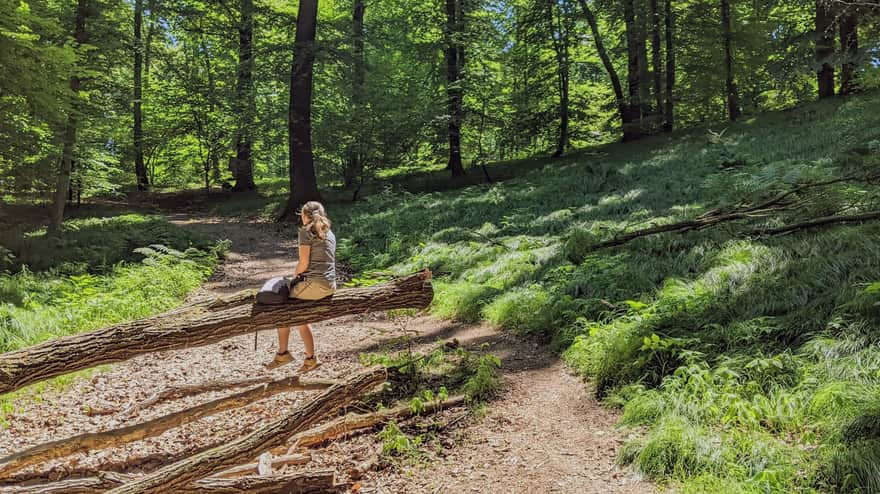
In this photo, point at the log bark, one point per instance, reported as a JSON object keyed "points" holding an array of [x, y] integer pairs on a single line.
{"points": [[214, 460], [342, 426], [318, 481], [118, 437], [200, 324], [278, 461]]}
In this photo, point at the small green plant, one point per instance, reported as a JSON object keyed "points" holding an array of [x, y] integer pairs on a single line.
{"points": [[397, 443]]}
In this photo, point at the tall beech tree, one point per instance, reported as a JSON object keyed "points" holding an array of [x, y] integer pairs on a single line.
{"points": [[669, 116], [622, 103], [559, 35], [632, 127], [825, 48], [454, 90], [246, 107], [849, 48], [303, 182], [657, 58], [733, 108], [62, 184], [140, 168]]}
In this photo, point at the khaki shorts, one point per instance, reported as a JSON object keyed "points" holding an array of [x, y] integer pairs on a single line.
{"points": [[311, 290]]}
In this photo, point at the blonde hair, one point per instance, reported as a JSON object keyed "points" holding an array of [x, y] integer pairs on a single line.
{"points": [[319, 223]]}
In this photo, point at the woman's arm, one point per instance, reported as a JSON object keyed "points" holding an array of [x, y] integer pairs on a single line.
{"points": [[302, 265]]}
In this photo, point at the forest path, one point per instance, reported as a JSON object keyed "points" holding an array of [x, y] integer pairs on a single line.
{"points": [[543, 433]]}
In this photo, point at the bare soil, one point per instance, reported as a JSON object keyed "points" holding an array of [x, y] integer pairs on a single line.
{"points": [[544, 433]]}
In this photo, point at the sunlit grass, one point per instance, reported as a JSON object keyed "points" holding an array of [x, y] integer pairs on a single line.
{"points": [[749, 360]]}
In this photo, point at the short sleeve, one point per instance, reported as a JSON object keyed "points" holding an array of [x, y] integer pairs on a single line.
{"points": [[303, 237]]}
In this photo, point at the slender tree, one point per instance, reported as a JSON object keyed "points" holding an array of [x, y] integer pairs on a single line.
{"points": [[56, 215], [454, 90], [824, 48], [668, 121], [303, 182], [622, 108], [849, 47], [353, 156], [559, 37], [632, 128], [656, 58], [245, 100], [140, 168], [733, 110]]}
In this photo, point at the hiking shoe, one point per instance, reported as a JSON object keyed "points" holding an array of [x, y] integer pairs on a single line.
{"points": [[309, 364], [279, 360]]}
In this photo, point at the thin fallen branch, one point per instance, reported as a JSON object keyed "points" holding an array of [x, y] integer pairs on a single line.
{"points": [[319, 481], [343, 426], [818, 222], [118, 437], [726, 214], [171, 477], [175, 392], [198, 324]]}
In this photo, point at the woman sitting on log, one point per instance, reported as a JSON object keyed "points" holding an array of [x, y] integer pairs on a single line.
{"points": [[314, 278]]}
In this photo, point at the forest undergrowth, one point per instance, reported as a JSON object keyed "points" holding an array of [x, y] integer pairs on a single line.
{"points": [[751, 360], [99, 271]]}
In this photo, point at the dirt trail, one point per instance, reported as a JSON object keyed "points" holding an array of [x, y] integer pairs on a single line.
{"points": [[544, 433]]}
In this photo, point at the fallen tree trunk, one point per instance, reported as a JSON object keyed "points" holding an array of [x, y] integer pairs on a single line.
{"points": [[118, 437], [319, 481], [199, 324], [351, 422], [223, 457]]}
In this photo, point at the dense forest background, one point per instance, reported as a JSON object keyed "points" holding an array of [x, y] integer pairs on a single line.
{"points": [[101, 97]]}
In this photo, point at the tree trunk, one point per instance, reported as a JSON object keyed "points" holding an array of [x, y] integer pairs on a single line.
{"points": [[354, 165], [656, 59], [606, 61], [245, 99], [560, 46], [84, 443], [217, 459], [56, 214], [313, 482], [303, 182], [645, 96], [200, 324], [824, 48], [849, 46], [670, 68], [632, 128], [454, 91], [733, 110], [140, 169]]}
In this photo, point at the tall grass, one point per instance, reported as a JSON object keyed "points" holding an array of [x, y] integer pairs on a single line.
{"points": [[752, 361]]}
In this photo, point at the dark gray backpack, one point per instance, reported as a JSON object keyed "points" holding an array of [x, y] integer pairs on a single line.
{"points": [[275, 291]]}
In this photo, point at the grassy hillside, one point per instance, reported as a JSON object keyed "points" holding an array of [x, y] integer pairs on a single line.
{"points": [[752, 361]]}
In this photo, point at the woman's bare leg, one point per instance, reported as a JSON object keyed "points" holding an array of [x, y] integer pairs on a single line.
{"points": [[308, 342], [283, 338]]}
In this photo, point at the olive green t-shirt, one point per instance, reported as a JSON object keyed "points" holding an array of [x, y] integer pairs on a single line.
{"points": [[322, 256]]}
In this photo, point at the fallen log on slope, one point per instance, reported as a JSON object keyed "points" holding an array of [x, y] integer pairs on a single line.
{"points": [[207, 463], [118, 437], [319, 481], [202, 323]]}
